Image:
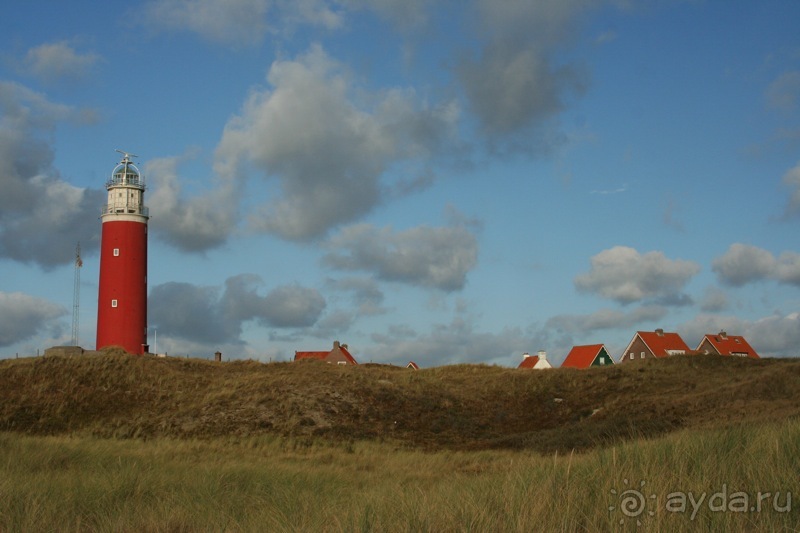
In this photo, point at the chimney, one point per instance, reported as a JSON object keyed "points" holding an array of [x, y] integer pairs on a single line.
{"points": [[218, 357], [542, 355], [660, 332], [526, 355], [723, 334], [335, 345]]}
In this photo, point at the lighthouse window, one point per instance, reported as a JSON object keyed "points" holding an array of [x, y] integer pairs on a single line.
{"points": [[116, 252], [113, 303]]}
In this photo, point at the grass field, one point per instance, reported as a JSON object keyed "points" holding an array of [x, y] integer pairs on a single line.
{"points": [[73, 483], [119, 443]]}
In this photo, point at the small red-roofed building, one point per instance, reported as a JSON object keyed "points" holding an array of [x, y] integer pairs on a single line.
{"points": [[724, 344], [412, 365], [658, 343], [338, 355], [586, 356], [536, 362]]}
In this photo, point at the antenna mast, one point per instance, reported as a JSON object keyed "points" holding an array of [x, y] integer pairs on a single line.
{"points": [[76, 295]]}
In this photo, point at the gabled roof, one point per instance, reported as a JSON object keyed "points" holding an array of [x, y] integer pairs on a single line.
{"points": [[535, 361], [322, 356], [582, 356], [729, 344], [412, 365], [529, 362], [310, 355], [661, 342], [347, 355]]}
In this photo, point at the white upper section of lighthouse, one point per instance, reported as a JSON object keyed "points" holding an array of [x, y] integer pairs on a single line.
{"points": [[125, 192]]}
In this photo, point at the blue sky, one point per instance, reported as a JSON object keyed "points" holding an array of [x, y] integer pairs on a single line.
{"points": [[428, 180]]}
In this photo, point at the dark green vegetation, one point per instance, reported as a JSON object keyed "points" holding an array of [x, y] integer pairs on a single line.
{"points": [[464, 407]]}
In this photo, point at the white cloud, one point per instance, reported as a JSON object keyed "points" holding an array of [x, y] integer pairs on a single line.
{"points": [[455, 343], [191, 224], [439, 257], [212, 314], [743, 264], [318, 13], [42, 216], [59, 61], [328, 153], [23, 316], [623, 274], [516, 83], [604, 319]]}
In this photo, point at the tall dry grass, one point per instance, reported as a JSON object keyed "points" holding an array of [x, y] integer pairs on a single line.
{"points": [[83, 483]]}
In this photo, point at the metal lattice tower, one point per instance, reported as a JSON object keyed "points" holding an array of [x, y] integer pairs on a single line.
{"points": [[76, 295]]}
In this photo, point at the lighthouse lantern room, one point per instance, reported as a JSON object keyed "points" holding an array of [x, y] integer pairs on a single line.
{"points": [[122, 294]]}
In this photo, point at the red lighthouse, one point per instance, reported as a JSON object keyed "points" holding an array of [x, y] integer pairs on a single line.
{"points": [[122, 296]]}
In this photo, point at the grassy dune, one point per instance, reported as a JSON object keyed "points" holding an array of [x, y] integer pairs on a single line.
{"points": [[466, 407], [282, 484], [109, 443]]}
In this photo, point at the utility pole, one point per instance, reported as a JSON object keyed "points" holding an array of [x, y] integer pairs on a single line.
{"points": [[76, 295]]}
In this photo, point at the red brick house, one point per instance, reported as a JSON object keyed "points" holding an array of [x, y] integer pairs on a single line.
{"points": [[338, 355], [536, 362], [658, 343], [724, 344], [586, 356]]}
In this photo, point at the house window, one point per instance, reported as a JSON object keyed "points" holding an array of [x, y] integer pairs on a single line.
{"points": [[113, 303], [116, 252], [602, 361], [642, 356], [342, 362], [631, 355]]}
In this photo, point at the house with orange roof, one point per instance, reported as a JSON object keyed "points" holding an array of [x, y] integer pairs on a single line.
{"points": [[338, 355], [536, 362], [412, 365], [586, 356], [724, 344], [658, 343]]}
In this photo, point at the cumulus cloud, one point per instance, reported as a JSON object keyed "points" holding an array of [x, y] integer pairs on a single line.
{"points": [[22, 316], [777, 335], [59, 61], [792, 180], [212, 314], [327, 152], [743, 264], [457, 342], [605, 319], [516, 82], [624, 275], [42, 216], [439, 257], [192, 224]]}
